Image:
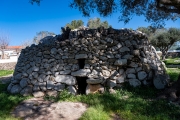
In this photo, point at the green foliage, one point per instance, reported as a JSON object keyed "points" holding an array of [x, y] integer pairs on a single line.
{"points": [[164, 39], [173, 73], [7, 102], [175, 61], [96, 22], [40, 35], [129, 103], [154, 11], [75, 24], [5, 72]]}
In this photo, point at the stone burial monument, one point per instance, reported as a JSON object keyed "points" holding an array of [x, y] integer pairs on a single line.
{"points": [[87, 61]]}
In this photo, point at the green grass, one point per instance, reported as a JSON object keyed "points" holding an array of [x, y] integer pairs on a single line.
{"points": [[174, 61], [8, 102], [5, 72], [173, 73], [139, 105], [129, 103]]}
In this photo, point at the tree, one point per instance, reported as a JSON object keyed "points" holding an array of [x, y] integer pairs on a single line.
{"points": [[165, 39], [75, 24], [40, 35], [155, 11], [26, 43], [4, 42], [96, 22]]}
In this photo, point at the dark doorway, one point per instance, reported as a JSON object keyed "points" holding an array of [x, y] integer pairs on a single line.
{"points": [[81, 81], [81, 63]]}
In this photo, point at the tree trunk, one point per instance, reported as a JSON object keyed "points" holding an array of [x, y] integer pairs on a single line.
{"points": [[164, 55]]}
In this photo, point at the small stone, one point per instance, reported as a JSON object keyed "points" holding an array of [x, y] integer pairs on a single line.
{"points": [[72, 90], [81, 73], [38, 94], [18, 76], [106, 73], [23, 83], [124, 49], [41, 77], [59, 87], [142, 75], [120, 62], [130, 70], [67, 79], [65, 72], [97, 88], [94, 81], [131, 76], [52, 93], [81, 56], [26, 91], [134, 82], [16, 89], [160, 81], [111, 83]]}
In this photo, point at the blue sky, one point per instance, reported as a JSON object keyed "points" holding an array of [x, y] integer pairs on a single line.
{"points": [[21, 21]]}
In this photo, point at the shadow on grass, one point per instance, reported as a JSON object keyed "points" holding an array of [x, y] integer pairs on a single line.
{"points": [[8, 102], [129, 103]]}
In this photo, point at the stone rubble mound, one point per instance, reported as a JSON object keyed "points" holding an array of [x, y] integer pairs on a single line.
{"points": [[87, 61]]}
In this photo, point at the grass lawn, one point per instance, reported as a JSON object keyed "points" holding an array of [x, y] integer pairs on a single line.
{"points": [[173, 73], [8, 102], [5, 72], [174, 61], [128, 103]]}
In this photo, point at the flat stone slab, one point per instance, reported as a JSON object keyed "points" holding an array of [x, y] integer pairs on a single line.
{"points": [[94, 81], [39, 109]]}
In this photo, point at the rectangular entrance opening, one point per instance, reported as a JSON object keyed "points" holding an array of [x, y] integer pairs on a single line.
{"points": [[81, 63], [81, 81]]}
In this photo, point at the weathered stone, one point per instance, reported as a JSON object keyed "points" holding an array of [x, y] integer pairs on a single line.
{"points": [[18, 76], [26, 91], [134, 82], [38, 94], [97, 88], [53, 51], [72, 90], [121, 78], [81, 56], [15, 89], [65, 72], [106, 73], [43, 86], [59, 87], [130, 70], [36, 88], [23, 83], [160, 81], [127, 56], [111, 83], [9, 87], [131, 76], [94, 81], [41, 77], [35, 68], [133, 64], [52, 93], [120, 62], [50, 84], [124, 49], [67, 79], [81, 72], [142, 75]]}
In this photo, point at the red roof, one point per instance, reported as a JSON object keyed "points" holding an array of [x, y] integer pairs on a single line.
{"points": [[14, 47]]}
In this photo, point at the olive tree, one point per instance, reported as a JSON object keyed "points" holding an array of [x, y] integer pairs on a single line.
{"points": [[165, 39]]}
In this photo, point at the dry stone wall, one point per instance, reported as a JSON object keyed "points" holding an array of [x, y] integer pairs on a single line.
{"points": [[87, 61]]}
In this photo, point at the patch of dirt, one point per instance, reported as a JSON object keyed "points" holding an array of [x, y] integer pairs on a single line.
{"points": [[39, 109]]}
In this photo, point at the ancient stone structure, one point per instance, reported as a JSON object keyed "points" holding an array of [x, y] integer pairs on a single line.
{"points": [[87, 61]]}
